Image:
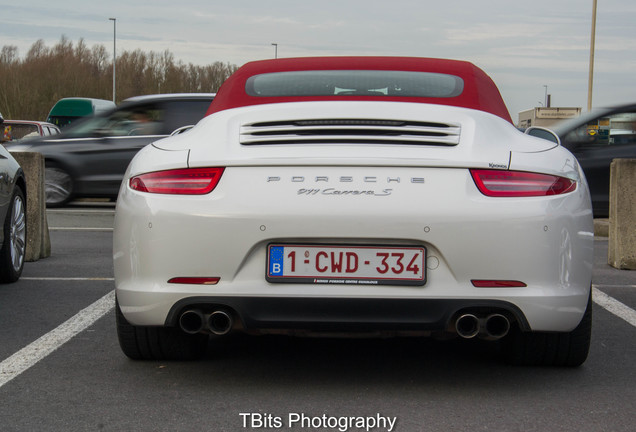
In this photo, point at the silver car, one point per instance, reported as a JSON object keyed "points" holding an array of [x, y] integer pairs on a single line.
{"points": [[12, 217]]}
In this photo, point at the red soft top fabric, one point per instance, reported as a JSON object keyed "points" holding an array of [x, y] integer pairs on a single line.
{"points": [[480, 92]]}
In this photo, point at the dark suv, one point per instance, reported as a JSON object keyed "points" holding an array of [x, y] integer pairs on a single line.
{"points": [[89, 158]]}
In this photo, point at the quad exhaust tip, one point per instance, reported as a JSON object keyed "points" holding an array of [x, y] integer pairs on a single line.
{"points": [[492, 327], [220, 322], [467, 326], [496, 326], [193, 321]]}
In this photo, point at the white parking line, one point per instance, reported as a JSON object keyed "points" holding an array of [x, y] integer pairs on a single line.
{"points": [[38, 350], [614, 306]]}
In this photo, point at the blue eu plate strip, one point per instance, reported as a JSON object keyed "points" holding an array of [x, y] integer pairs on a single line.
{"points": [[276, 258]]}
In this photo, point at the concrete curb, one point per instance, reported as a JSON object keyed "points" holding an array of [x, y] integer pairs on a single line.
{"points": [[38, 240]]}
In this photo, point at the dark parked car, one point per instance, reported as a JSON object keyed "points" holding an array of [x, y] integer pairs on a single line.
{"points": [[90, 157], [596, 138], [12, 218]]}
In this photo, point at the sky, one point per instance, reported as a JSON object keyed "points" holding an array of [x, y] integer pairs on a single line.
{"points": [[527, 47]]}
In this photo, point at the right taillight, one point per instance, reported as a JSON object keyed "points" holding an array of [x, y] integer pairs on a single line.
{"points": [[500, 183]]}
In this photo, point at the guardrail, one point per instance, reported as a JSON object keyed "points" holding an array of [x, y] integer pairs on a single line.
{"points": [[622, 220], [38, 240]]}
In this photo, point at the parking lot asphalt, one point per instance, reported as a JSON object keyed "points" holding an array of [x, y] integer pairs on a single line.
{"points": [[61, 368]]}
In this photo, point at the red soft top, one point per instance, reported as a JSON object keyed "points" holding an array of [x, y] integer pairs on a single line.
{"points": [[479, 93]]}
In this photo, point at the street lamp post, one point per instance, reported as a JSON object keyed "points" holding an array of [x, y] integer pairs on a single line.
{"points": [[591, 74], [114, 20], [275, 50]]}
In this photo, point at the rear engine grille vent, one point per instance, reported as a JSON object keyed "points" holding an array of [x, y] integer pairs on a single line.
{"points": [[362, 131]]}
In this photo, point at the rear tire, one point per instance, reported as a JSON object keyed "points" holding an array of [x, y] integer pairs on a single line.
{"points": [[13, 250], [550, 349], [157, 343]]}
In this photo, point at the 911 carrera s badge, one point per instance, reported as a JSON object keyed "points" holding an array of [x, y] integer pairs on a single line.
{"points": [[343, 180], [341, 192]]}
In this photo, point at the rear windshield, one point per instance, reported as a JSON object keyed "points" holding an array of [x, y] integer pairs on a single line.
{"points": [[355, 83], [17, 131]]}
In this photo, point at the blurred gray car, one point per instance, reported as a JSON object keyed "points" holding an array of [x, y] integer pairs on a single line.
{"points": [[596, 139], [90, 157]]}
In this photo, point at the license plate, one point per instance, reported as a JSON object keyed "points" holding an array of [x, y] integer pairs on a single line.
{"points": [[357, 265]]}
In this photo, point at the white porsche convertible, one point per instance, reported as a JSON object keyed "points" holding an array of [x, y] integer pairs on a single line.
{"points": [[355, 195]]}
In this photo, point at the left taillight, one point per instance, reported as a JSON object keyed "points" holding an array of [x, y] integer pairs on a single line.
{"points": [[187, 181], [500, 183]]}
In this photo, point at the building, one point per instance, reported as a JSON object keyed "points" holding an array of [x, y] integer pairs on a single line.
{"points": [[546, 116]]}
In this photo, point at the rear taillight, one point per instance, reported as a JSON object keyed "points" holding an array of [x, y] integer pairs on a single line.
{"points": [[188, 181], [499, 183]]}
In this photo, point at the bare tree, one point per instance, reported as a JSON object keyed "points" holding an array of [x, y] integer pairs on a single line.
{"points": [[30, 86]]}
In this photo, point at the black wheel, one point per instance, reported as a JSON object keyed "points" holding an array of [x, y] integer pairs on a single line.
{"points": [[58, 185], [14, 246], [158, 343], [550, 349]]}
